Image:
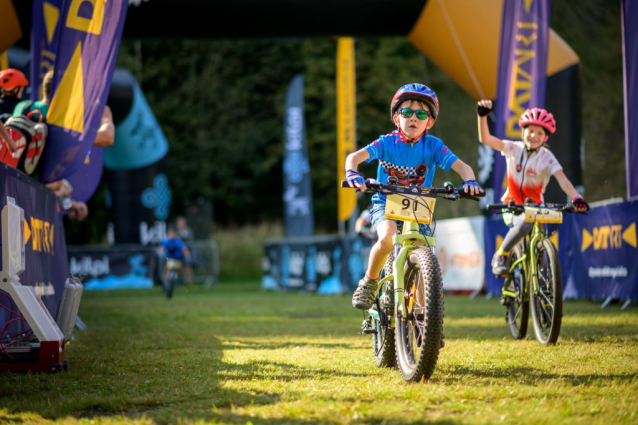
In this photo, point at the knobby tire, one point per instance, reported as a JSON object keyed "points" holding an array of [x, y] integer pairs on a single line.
{"points": [[518, 310], [547, 298], [383, 336], [418, 336]]}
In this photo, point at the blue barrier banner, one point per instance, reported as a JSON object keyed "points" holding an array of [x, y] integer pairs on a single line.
{"points": [[522, 72], [117, 267], [79, 40], [321, 264], [298, 208], [139, 140], [45, 246], [86, 180], [604, 251], [629, 10]]}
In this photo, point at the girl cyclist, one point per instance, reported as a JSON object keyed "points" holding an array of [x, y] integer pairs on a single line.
{"points": [[529, 167]]}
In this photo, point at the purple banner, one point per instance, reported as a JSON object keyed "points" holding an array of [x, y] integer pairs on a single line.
{"points": [[603, 251], [79, 40], [522, 72], [86, 180], [629, 11], [45, 246]]}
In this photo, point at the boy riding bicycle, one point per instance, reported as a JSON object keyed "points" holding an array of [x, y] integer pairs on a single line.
{"points": [[410, 155], [529, 167], [173, 248]]}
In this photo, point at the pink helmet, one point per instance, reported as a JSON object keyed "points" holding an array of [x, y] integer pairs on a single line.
{"points": [[538, 116]]}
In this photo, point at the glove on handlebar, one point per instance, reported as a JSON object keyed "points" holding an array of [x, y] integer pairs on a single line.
{"points": [[354, 177], [483, 111], [470, 183], [579, 203]]}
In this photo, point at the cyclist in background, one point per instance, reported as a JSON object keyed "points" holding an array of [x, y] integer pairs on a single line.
{"points": [[529, 167], [174, 248], [410, 156]]}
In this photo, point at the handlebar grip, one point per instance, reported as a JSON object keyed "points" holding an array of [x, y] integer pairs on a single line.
{"points": [[495, 206], [344, 183]]}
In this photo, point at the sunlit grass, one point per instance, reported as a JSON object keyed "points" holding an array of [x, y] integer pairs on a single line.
{"points": [[233, 354]]}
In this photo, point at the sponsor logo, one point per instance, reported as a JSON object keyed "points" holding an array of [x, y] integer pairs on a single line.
{"points": [[609, 237], [90, 266], [601, 272], [41, 233], [44, 289], [468, 260]]}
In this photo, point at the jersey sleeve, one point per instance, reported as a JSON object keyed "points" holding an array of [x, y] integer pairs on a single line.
{"points": [[509, 148], [554, 165], [443, 156], [375, 149]]}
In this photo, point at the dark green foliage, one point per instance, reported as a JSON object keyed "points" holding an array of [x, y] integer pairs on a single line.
{"points": [[220, 104]]}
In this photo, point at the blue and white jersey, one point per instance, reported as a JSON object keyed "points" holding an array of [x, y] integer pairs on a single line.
{"points": [[412, 163]]}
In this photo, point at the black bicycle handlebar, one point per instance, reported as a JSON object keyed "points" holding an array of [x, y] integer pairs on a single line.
{"points": [[447, 192], [520, 208]]}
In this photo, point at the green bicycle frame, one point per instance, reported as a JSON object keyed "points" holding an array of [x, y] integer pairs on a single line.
{"points": [[407, 241], [528, 259]]}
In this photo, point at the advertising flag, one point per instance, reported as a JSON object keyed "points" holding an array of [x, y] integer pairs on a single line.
{"points": [[629, 10], [522, 72], [346, 121], [79, 40], [298, 206], [86, 180]]}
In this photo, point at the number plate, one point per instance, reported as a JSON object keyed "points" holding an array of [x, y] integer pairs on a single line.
{"points": [[543, 215], [409, 207]]}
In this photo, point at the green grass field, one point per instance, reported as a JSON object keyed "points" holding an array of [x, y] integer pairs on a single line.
{"points": [[233, 354]]}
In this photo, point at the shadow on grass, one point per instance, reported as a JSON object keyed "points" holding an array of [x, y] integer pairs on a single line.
{"points": [[524, 374]]}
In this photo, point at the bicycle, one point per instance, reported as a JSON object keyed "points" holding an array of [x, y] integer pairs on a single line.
{"points": [[172, 269], [407, 318], [534, 274]]}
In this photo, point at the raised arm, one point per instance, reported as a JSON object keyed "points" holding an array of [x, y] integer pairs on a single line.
{"points": [[106, 133], [483, 108]]}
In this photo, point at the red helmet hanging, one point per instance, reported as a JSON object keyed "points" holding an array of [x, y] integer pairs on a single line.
{"points": [[12, 78]]}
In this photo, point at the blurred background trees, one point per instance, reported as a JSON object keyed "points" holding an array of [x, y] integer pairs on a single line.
{"points": [[220, 104]]}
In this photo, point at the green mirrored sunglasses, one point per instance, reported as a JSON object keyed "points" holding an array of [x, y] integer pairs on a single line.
{"points": [[421, 114]]}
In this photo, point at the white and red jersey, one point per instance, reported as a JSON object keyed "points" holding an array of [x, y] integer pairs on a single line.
{"points": [[527, 174]]}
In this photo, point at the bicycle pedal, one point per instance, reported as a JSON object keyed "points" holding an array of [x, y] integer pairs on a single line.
{"points": [[366, 327]]}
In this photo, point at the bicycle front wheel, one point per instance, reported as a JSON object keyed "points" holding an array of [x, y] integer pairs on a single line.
{"points": [[383, 336], [418, 334], [547, 297], [517, 305], [169, 286]]}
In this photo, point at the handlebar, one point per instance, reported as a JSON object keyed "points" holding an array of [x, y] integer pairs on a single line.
{"points": [[447, 192], [520, 208]]}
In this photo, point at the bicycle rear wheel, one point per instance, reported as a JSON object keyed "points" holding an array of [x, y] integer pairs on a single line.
{"points": [[418, 335], [547, 297], [383, 336], [517, 306]]}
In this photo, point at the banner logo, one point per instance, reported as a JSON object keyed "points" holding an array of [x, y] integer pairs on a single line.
{"points": [[609, 237], [41, 233]]}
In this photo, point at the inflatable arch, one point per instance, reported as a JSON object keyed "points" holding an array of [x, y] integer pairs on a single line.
{"points": [[460, 36]]}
